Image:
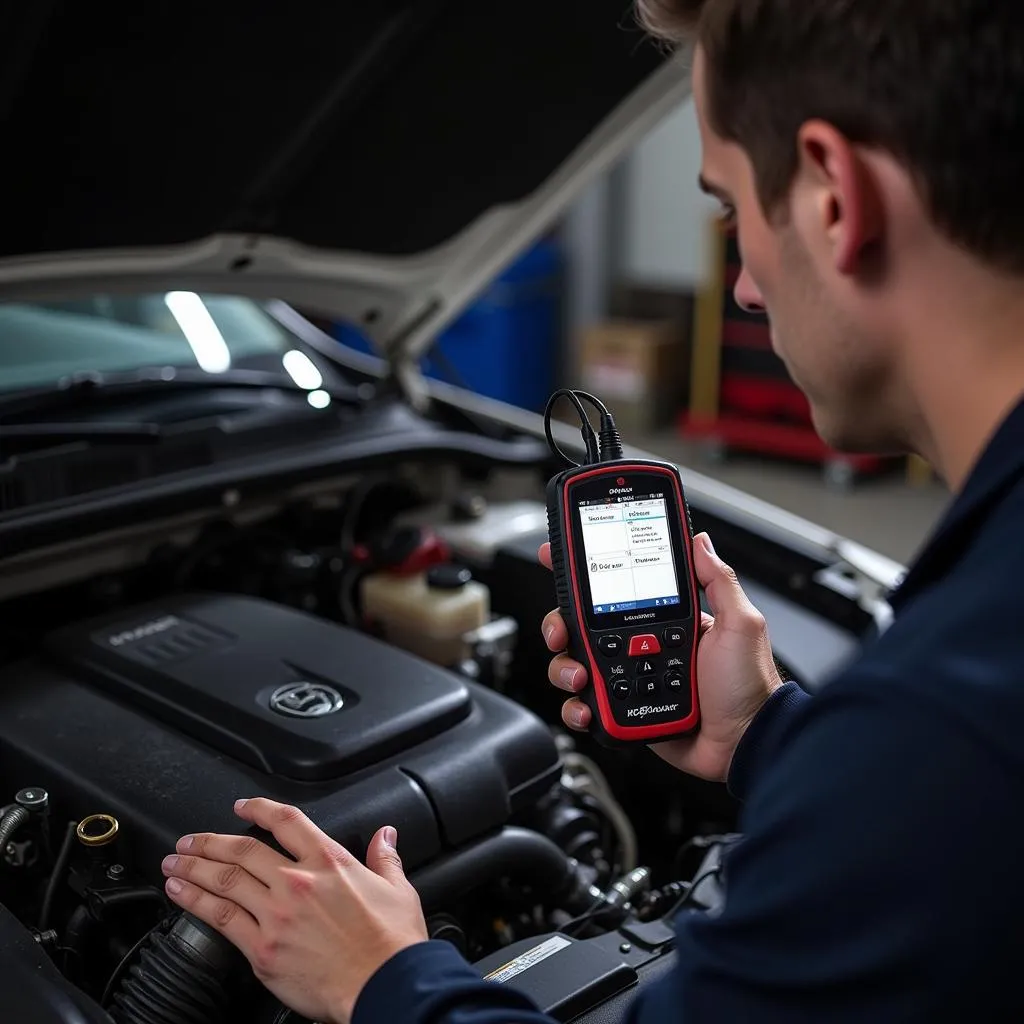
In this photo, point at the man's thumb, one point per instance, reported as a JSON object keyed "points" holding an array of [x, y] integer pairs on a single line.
{"points": [[382, 856], [729, 605]]}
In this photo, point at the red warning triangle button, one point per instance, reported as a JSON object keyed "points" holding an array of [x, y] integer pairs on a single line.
{"points": [[643, 643]]}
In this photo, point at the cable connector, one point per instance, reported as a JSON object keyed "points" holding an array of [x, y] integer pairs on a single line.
{"points": [[591, 441], [609, 440]]}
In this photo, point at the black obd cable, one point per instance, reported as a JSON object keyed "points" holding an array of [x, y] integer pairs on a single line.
{"points": [[603, 446]]}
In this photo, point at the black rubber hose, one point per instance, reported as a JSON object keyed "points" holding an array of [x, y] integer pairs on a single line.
{"points": [[182, 976], [57, 875], [125, 897], [515, 853], [126, 961], [80, 927], [10, 823]]}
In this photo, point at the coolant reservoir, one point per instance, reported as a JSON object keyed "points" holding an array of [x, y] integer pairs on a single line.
{"points": [[427, 613]]}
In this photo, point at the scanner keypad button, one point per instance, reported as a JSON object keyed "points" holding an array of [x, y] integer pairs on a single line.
{"points": [[647, 686], [674, 636], [610, 646], [643, 645]]}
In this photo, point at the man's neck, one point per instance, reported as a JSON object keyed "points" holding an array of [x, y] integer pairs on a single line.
{"points": [[961, 354], [967, 381]]}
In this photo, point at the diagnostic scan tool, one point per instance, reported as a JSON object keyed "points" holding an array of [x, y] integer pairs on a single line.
{"points": [[621, 551]]}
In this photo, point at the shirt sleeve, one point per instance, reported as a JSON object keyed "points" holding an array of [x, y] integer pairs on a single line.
{"points": [[842, 896], [765, 734]]}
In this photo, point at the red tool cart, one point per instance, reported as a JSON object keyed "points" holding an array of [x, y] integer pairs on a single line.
{"points": [[741, 397]]}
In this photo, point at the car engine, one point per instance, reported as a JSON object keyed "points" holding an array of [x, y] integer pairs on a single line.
{"points": [[137, 706]]}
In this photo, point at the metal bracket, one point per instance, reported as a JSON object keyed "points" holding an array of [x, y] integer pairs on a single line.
{"points": [[860, 576]]}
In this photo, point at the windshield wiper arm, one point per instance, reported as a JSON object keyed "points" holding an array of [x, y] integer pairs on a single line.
{"points": [[80, 388]]}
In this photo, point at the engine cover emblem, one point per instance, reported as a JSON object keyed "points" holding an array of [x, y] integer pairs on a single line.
{"points": [[306, 700]]}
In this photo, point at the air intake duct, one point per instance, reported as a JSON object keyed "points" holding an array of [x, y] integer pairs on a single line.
{"points": [[183, 976]]}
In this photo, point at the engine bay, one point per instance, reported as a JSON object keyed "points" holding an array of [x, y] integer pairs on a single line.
{"points": [[370, 653]]}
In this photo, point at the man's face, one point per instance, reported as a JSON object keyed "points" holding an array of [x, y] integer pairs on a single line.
{"points": [[819, 326]]}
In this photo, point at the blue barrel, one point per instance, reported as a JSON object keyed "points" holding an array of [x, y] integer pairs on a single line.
{"points": [[506, 344]]}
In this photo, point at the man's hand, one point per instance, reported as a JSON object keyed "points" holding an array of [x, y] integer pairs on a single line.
{"points": [[736, 672], [316, 929]]}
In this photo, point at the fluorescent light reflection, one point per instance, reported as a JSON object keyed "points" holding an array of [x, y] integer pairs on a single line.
{"points": [[302, 369], [200, 330], [319, 399]]}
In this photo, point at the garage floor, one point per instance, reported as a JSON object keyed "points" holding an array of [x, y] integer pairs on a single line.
{"points": [[885, 514]]}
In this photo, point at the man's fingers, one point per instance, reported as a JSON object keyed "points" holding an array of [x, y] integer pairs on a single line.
{"points": [[382, 856], [544, 555], [576, 715], [731, 606], [257, 858], [567, 674], [288, 825], [231, 881], [238, 926], [556, 636]]}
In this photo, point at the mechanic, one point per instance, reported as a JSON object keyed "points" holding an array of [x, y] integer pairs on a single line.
{"points": [[872, 154]]}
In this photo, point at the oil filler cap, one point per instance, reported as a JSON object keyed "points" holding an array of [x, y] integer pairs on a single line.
{"points": [[448, 577]]}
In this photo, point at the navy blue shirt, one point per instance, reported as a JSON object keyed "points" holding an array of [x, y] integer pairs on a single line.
{"points": [[881, 874]]}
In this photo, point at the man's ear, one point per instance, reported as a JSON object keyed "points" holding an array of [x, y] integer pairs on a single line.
{"points": [[847, 199]]}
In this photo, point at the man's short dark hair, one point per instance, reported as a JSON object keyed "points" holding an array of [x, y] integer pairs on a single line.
{"points": [[937, 83]]}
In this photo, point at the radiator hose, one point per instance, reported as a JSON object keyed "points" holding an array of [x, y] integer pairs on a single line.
{"points": [[180, 977]]}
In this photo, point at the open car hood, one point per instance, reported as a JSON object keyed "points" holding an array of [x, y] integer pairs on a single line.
{"points": [[374, 162]]}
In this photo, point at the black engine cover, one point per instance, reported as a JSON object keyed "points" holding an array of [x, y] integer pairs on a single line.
{"points": [[161, 717], [291, 695]]}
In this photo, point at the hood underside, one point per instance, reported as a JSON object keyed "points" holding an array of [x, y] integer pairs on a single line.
{"points": [[375, 162]]}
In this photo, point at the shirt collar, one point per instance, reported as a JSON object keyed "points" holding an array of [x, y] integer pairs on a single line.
{"points": [[1000, 466]]}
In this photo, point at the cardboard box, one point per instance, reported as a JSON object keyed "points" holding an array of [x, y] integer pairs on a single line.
{"points": [[638, 369]]}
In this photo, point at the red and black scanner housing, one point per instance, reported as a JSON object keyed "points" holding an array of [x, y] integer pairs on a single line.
{"points": [[641, 664]]}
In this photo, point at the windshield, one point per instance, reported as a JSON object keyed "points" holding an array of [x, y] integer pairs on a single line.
{"points": [[42, 342]]}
